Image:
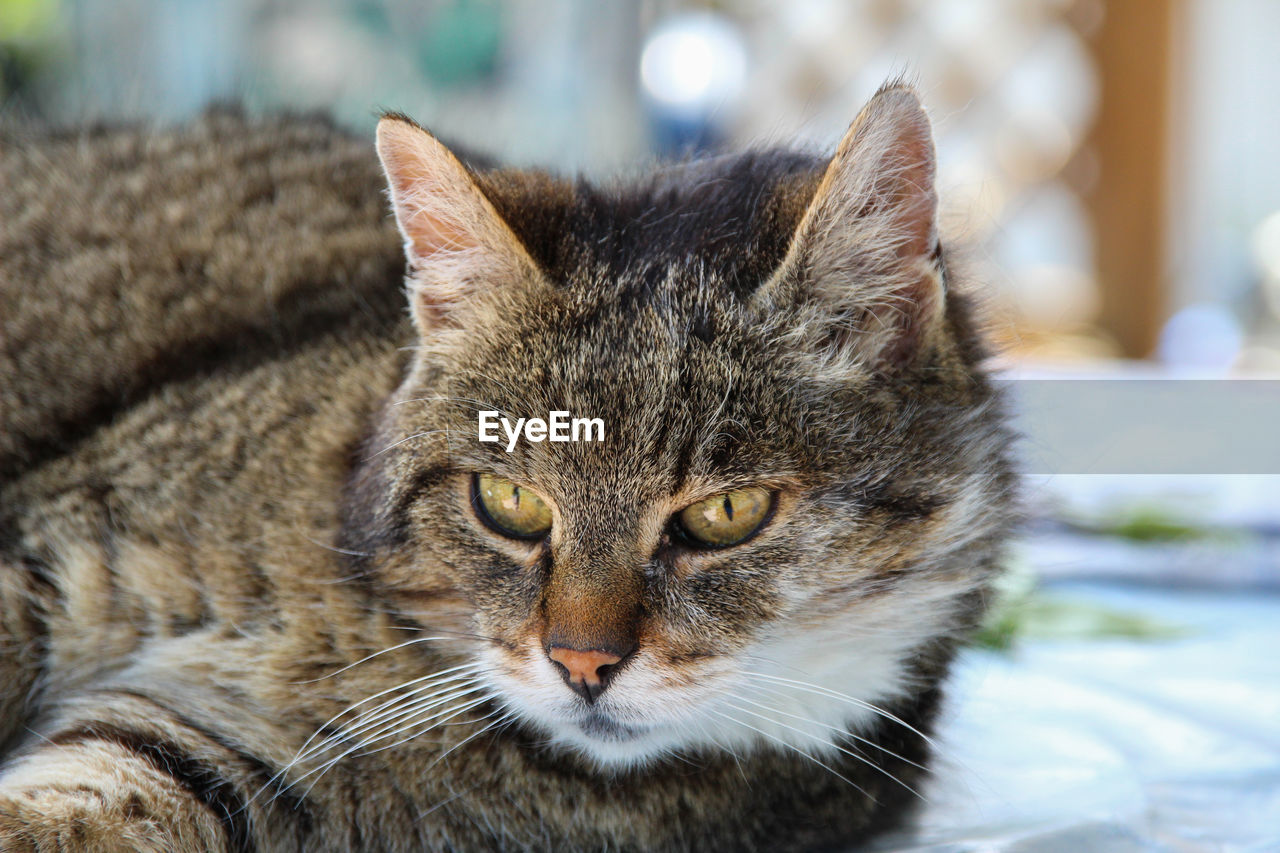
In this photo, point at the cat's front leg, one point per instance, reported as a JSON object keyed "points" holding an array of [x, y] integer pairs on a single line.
{"points": [[96, 794], [23, 594]]}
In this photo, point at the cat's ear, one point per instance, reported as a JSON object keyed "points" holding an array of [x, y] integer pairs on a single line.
{"points": [[863, 270], [458, 246]]}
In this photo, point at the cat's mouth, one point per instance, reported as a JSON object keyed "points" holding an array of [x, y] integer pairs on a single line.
{"points": [[599, 725], [631, 722]]}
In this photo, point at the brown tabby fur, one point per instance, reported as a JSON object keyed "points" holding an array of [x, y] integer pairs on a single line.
{"points": [[230, 467]]}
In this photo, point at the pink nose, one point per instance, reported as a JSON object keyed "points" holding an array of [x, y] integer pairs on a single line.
{"points": [[584, 671]]}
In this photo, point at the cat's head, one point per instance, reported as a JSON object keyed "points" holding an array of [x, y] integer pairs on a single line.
{"points": [[802, 485]]}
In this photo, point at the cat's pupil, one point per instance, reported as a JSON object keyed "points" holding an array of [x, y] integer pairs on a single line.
{"points": [[728, 507]]}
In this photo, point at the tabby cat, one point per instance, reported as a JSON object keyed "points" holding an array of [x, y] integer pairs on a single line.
{"points": [[263, 588]]}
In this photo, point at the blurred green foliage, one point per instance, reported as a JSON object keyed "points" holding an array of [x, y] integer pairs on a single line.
{"points": [[1154, 524], [24, 19], [1024, 611], [25, 30], [462, 43]]}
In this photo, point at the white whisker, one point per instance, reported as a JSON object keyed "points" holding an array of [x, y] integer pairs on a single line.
{"points": [[396, 444], [374, 655], [392, 709], [864, 759], [833, 694], [390, 731], [793, 748], [380, 693], [504, 717], [307, 750], [440, 722], [839, 729], [336, 550]]}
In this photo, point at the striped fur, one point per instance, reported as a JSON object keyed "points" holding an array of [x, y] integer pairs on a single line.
{"points": [[246, 604]]}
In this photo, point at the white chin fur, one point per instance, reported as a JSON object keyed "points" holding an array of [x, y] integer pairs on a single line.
{"points": [[799, 691]]}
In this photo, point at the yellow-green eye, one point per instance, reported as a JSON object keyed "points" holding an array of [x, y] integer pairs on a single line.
{"points": [[726, 519], [510, 509]]}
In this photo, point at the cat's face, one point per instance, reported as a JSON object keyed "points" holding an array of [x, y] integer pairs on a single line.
{"points": [[795, 498]]}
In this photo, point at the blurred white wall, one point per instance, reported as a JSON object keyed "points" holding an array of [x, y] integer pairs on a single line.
{"points": [[1226, 157]]}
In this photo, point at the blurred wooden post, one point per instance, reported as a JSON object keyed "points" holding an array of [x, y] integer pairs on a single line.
{"points": [[1132, 51]]}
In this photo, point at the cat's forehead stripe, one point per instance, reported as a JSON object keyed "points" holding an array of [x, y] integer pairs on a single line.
{"points": [[731, 217]]}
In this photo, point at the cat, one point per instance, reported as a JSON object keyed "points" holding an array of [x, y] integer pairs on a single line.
{"points": [[262, 587]]}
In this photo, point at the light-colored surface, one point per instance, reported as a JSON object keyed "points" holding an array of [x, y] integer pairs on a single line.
{"points": [[1117, 744]]}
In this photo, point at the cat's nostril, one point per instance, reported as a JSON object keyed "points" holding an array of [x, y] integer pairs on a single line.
{"points": [[585, 671]]}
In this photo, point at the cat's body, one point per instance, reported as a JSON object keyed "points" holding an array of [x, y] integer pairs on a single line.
{"points": [[230, 469]]}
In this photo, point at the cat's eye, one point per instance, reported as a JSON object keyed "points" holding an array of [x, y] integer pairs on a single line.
{"points": [[510, 509], [726, 519]]}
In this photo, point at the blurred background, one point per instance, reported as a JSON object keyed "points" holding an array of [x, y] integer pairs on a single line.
{"points": [[1112, 168], [1112, 164]]}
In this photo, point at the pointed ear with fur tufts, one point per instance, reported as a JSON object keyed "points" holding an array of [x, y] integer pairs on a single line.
{"points": [[864, 265], [458, 247]]}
